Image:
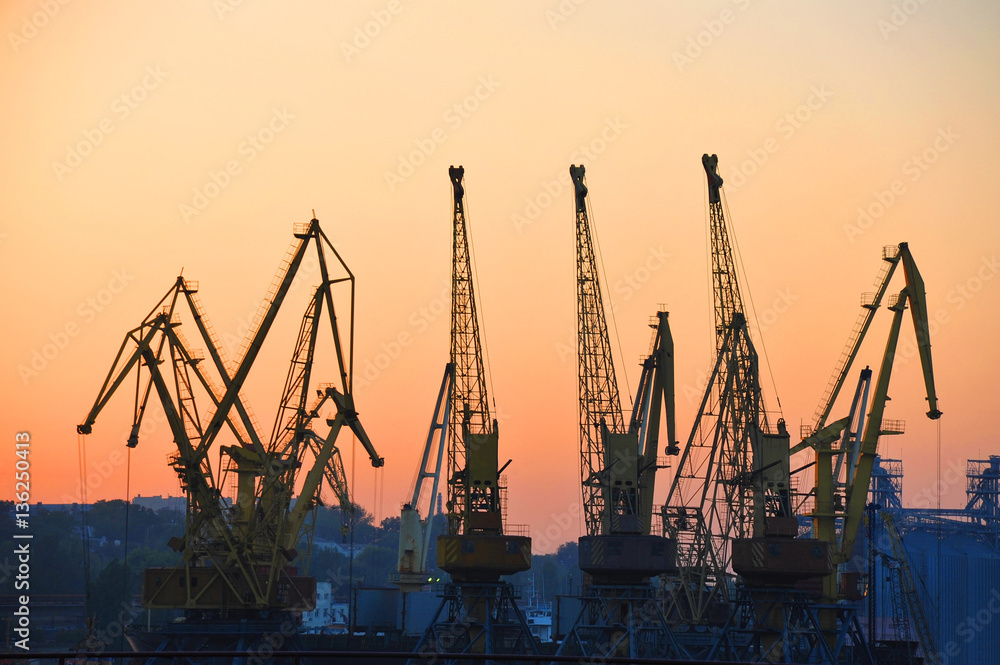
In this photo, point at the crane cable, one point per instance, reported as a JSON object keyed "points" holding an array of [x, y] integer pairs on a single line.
{"points": [[481, 311], [128, 500], [938, 487], [614, 321], [82, 459], [741, 267]]}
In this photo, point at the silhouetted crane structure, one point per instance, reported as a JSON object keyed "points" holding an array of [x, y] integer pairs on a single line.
{"points": [[417, 515], [733, 474], [618, 615], [736, 581], [237, 575], [478, 613]]}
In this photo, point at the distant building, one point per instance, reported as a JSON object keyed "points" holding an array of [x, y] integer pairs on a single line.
{"points": [[954, 558], [175, 503], [343, 548], [328, 615]]}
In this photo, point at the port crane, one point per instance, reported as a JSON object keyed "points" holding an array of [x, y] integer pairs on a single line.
{"points": [[478, 612], [619, 460], [417, 515], [795, 627], [731, 484], [238, 558], [843, 472]]}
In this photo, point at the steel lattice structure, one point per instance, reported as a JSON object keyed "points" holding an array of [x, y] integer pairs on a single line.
{"points": [[470, 402], [239, 557], [716, 495], [600, 404]]}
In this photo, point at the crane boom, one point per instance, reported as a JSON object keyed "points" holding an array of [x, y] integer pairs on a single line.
{"points": [[478, 612], [892, 257], [618, 465], [857, 489], [470, 408], [733, 474], [618, 555], [600, 406]]}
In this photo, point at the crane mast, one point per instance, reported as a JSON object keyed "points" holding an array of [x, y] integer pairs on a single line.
{"points": [[470, 412], [733, 474], [478, 611], [619, 614], [416, 518], [600, 406]]}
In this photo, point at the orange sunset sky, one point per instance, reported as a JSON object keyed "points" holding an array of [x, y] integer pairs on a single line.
{"points": [[141, 139]]}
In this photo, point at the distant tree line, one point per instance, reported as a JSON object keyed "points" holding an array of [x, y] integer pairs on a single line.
{"points": [[118, 558]]}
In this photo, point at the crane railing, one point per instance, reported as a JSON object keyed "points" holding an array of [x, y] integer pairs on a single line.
{"points": [[268, 300], [870, 303]]}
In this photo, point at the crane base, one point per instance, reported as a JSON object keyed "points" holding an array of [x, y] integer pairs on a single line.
{"points": [[207, 589], [781, 562], [482, 557], [626, 559]]}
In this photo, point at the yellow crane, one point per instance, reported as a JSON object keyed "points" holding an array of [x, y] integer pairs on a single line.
{"points": [[417, 515], [239, 559], [478, 612], [619, 460], [846, 501]]}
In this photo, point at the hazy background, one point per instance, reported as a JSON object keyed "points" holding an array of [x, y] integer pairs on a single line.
{"points": [[118, 115]]}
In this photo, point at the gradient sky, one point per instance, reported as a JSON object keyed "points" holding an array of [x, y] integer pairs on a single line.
{"points": [[119, 114]]}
